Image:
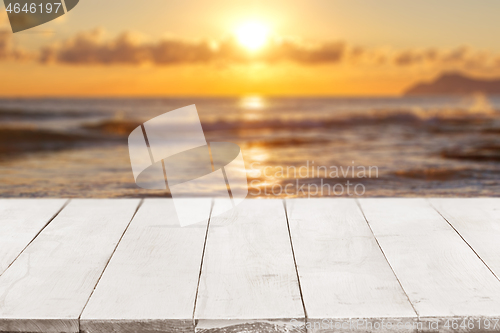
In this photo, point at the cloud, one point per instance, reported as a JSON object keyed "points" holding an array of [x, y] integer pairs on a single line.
{"points": [[5, 42], [8, 51], [88, 48], [91, 48], [462, 57]]}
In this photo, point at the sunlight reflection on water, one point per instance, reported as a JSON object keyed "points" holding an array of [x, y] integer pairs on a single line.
{"points": [[252, 102]]}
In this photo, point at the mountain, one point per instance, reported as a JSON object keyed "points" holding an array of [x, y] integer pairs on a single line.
{"points": [[455, 84]]}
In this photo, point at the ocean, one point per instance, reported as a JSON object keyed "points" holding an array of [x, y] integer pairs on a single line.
{"points": [[292, 147]]}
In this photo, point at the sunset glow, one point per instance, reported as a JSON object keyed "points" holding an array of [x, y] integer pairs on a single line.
{"points": [[252, 35], [242, 48]]}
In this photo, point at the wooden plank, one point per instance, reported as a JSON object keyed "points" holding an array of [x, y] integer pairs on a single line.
{"points": [[477, 220], [47, 287], [248, 279], [342, 271], [150, 283], [441, 275], [20, 221]]}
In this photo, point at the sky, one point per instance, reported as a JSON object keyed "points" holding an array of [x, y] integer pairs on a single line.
{"points": [[199, 48]]}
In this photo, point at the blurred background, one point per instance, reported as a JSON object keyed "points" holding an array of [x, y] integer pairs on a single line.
{"points": [[412, 88]]}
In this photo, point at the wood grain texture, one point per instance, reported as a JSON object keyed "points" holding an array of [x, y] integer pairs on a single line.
{"points": [[477, 220], [150, 283], [342, 271], [20, 221], [248, 276], [442, 276], [47, 287]]}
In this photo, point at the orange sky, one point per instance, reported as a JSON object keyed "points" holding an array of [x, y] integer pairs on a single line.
{"points": [[197, 80], [311, 48]]}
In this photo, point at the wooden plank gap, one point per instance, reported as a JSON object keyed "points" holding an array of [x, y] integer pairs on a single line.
{"points": [[106, 266], [201, 262], [151, 280], [38, 233], [386, 259], [248, 280], [470, 246], [295, 262]]}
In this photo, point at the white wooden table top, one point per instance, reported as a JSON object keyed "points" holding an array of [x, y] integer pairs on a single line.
{"points": [[317, 265]]}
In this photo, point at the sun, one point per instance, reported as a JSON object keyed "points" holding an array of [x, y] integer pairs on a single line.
{"points": [[252, 35]]}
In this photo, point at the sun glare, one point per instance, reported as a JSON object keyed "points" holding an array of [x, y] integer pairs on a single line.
{"points": [[252, 35], [252, 102]]}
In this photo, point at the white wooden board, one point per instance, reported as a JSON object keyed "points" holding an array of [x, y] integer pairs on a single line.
{"points": [[20, 221], [47, 287], [442, 276], [342, 271], [477, 220], [248, 277], [150, 283]]}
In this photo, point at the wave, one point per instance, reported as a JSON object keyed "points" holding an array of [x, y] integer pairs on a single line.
{"points": [[482, 152], [27, 140], [20, 114], [432, 119], [434, 174], [113, 126]]}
